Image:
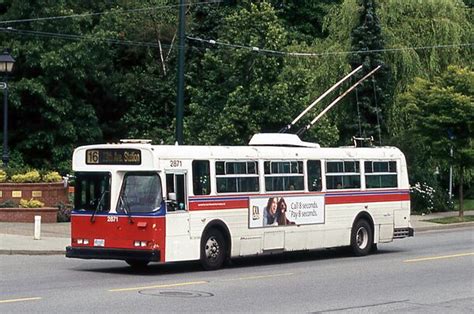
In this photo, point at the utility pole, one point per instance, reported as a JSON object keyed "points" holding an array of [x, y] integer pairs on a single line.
{"points": [[180, 97], [451, 138]]}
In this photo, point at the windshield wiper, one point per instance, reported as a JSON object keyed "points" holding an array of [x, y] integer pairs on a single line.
{"points": [[126, 208], [100, 204]]}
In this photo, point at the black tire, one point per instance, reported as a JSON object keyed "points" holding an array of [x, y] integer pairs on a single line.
{"points": [[362, 238], [213, 250], [137, 264]]}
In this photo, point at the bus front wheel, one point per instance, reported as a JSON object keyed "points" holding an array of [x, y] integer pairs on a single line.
{"points": [[213, 250], [361, 238]]}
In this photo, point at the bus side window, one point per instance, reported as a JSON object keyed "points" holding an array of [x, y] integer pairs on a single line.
{"points": [[171, 193], [176, 191], [201, 177], [314, 175], [342, 174]]}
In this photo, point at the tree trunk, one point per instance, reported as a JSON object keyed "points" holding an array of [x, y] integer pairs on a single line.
{"points": [[461, 194]]}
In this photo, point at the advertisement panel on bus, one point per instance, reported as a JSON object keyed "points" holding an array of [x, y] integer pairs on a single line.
{"points": [[289, 210]]}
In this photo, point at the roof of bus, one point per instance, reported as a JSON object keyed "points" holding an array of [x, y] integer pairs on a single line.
{"points": [[242, 152]]}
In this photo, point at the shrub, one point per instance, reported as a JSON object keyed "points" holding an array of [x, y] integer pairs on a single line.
{"points": [[3, 176], [32, 203], [52, 176], [8, 204], [64, 212], [29, 177], [422, 200], [426, 199]]}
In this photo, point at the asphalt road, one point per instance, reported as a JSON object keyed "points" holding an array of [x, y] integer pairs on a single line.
{"points": [[431, 273]]}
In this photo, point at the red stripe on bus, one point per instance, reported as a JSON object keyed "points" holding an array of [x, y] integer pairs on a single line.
{"points": [[349, 199], [329, 200], [218, 204]]}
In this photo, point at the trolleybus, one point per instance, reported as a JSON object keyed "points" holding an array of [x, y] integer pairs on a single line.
{"points": [[143, 203]]}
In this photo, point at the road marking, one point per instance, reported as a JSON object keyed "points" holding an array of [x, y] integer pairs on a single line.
{"points": [[432, 258], [258, 277], [160, 286], [20, 300], [196, 283]]}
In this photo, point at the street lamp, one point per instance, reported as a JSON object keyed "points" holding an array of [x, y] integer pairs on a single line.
{"points": [[6, 66]]}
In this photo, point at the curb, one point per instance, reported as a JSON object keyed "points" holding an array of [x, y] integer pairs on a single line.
{"points": [[445, 227]]}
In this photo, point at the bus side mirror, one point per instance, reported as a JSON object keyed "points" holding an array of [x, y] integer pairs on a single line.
{"points": [[172, 197], [172, 205]]}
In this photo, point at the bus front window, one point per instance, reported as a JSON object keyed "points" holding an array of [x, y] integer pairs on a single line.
{"points": [[140, 193], [92, 191]]}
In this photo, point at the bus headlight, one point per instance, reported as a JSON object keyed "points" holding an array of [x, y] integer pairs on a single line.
{"points": [[82, 241]]}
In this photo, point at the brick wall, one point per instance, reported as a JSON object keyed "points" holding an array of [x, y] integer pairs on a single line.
{"points": [[49, 193], [48, 214]]}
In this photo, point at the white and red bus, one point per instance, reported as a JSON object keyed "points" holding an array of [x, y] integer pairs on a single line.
{"points": [[144, 203]]}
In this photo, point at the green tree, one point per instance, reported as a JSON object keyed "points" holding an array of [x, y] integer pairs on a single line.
{"points": [[304, 19], [235, 92], [112, 78], [440, 114], [49, 114], [371, 97], [407, 26]]}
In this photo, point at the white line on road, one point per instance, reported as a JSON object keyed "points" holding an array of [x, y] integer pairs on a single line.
{"points": [[160, 286], [432, 258], [20, 300]]}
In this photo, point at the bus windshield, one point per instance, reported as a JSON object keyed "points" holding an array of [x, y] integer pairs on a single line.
{"points": [[92, 191], [141, 193]]}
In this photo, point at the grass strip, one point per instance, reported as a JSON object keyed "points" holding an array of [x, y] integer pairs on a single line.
{"points": [[451, 220]]}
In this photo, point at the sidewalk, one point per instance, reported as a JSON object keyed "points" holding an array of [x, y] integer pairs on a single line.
{"points": [[17, 238], [420, 224]]}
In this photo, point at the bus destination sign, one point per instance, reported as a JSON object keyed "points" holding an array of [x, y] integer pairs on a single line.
{"points": [[113, 157]]}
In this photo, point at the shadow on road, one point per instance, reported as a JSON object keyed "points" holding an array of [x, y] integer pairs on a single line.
{"points": [[241, 262]]}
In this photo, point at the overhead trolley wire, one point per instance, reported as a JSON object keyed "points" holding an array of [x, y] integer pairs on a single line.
{"points": [[318, 54], [223, 44]]}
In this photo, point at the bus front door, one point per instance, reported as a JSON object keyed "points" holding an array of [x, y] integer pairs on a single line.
{"points": [[177, 216]]}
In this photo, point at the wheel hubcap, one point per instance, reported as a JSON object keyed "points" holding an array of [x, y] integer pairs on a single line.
{"points": [[212, 248], [362, 238]]}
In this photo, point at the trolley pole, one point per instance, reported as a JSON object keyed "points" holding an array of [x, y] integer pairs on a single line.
{"points": [[180, 97]]}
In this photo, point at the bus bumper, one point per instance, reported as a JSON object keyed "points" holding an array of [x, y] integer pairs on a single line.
{"points": [[118, 254]]}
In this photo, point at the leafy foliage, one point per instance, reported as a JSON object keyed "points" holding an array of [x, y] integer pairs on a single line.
{"points": [[9, 204], [236, 88], [371, 97], [3, 176], [52, 176], [31, 203], [29, 177], [440, 114]]}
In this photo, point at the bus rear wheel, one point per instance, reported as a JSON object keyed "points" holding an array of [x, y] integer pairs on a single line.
{"points": [[361, 238], [213, 250], [137, 264]]}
